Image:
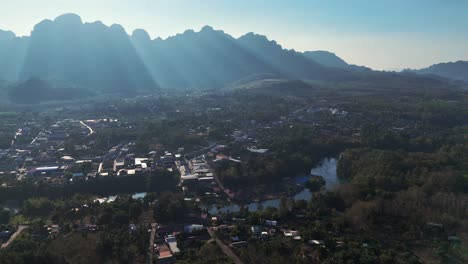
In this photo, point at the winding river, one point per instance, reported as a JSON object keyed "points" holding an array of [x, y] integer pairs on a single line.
{"points": [[326, 169]]}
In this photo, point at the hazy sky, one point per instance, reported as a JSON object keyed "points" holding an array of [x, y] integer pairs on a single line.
{"points": [[383, 34]]}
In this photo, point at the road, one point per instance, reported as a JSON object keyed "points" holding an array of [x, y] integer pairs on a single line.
{"points": [[20, 229], [221, 186], [34, 139], [226, 249], [91, 131], [154, 226]]}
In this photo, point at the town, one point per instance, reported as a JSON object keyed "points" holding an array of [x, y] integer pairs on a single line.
{"points": [[202, 175]]}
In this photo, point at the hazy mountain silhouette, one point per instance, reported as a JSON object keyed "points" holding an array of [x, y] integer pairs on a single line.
{"points": [[12, 52], [107, 59], [90, 55], [329, 59], [205, 59], [211, 58], [451, 70]]}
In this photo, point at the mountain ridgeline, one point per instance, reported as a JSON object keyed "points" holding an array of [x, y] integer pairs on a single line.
{"points": [[89, 55], [329, 59], [105, 59], [451, 70]]}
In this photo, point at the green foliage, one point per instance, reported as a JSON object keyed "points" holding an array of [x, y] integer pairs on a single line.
{"points": [[315, 183], [38, 207], [4, 216], [170, 207]]}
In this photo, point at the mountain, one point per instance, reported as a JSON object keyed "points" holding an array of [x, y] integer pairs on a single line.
{"points": [[106, 59], [451, 70], [326, 58], [206, 59], [329, 59], [12, 52], [89, 55]]}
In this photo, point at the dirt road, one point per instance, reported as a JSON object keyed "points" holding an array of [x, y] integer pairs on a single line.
{"points": [[226, 249], [20, 229]]}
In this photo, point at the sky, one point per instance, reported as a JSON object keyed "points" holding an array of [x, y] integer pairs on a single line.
{"points": [[383, 34]]}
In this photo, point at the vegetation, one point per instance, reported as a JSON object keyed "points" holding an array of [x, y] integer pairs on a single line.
{"points": [[403, 168]]}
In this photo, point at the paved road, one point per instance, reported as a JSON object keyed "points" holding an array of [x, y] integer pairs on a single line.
{"points": [[91, 131], [226, 249], [20, 229], [154, 226]]}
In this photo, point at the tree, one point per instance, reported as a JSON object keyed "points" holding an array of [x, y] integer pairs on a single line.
{"points": [[38, 207], [315, 183], [4, 216]]}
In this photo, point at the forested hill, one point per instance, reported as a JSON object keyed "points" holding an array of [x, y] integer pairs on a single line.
{"points": [[452, 70]]}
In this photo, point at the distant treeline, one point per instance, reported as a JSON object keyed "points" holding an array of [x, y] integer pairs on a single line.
{"points": [[101, 186]]}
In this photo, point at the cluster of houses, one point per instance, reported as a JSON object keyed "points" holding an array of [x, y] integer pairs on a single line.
{"points": [[43, 157], [40, 154], [166, 246], [194, 173], [268, 229]]}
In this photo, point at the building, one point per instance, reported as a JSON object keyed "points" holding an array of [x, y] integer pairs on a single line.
{"points": [[172, 242], [47, 171]]}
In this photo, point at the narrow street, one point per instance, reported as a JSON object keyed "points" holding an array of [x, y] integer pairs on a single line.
{"points": [[91, 131], [20, 229], [226, 249], [151, 242]]}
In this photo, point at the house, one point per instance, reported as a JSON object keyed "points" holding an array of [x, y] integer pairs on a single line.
{"points": [[5, 235], [142, 163], [291, 233], [188, 180], [206, 180], [238, 244], [118, 165], [271, 223], [46, 171], [192, 228], [172, 242], [53, 230], [257, 151], [166, 257], [167, 160], [78, 174], [256, 230], [184, 170], [67, 159]]}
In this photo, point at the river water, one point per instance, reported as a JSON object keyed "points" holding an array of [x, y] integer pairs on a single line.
{"points": [[326, 169]]}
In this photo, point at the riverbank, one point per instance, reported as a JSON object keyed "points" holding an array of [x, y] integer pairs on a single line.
{"points": [[326, 169]]}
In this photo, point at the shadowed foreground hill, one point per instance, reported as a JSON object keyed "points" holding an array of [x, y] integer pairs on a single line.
{"points": [[451, 70], [35, 90]]}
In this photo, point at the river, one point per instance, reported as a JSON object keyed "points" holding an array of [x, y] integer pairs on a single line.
{"points": [[326, 169]]}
